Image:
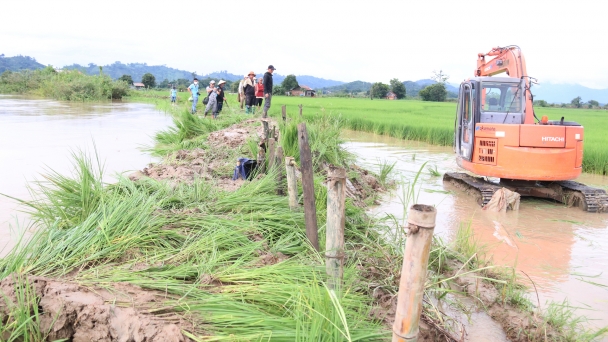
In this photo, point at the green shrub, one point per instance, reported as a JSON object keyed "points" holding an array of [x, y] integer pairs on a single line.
{"points": [[70, 85]]}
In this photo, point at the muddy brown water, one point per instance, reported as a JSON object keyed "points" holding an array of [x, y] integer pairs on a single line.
{"points": [[37, 134], [563, 250]]}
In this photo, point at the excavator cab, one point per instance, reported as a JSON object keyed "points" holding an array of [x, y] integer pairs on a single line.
{"points": [[492, 100]]}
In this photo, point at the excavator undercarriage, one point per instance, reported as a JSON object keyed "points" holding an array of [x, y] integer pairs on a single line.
{"points": [[571, 193]]}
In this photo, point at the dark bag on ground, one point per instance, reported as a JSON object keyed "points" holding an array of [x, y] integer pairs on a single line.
{"points": [[206, 99], [244, 169]]}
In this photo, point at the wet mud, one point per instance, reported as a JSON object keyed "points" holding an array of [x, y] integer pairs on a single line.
{"points": [[119, 312]]}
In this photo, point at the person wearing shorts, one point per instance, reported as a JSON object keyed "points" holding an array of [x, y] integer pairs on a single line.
{"points": [[259, 93]]}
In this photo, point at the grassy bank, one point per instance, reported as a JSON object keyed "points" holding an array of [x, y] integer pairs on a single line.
{"points": [[433, 122], [68, 85], [180, 248]]}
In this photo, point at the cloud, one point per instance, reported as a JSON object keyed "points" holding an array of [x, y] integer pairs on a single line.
{"points": [[342, 40]]}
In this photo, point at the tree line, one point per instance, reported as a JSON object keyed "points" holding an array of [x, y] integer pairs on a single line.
{"points": [[576, 102]]}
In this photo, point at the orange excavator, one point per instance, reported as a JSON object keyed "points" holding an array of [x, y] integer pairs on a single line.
{"points": [[497, 134]]}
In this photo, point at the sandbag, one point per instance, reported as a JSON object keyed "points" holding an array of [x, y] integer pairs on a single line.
{"points": [[502, 200]]}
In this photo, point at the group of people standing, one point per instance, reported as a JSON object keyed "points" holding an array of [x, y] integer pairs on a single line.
{"points": [[215, 97], [250, 93]]}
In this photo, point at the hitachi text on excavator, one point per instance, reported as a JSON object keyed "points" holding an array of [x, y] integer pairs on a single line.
{"points": [[497, 134]]}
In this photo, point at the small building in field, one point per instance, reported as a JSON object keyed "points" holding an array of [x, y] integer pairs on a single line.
{"points": [[302, 90], [391, 96], [138, 85]]}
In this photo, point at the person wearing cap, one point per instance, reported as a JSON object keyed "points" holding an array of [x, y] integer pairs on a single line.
{"points": [[212, 94], [259, 93], [249, 90], [241, 94], [193, 90], [268, 89], [220, 98]]}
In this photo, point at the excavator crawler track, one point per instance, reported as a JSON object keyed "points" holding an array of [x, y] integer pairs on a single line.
{"points": [[571, 193], [590, 199], [484, 189]]}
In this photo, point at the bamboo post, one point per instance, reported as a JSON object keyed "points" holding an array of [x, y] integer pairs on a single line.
{"points": [[334, 245], [308, 186], [284, 112], [421, 223], [271, 152], [300, 106], [277, 162], [292, 182]]}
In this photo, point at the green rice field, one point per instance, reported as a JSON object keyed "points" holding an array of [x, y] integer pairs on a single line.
{"points": [[433, 122]]}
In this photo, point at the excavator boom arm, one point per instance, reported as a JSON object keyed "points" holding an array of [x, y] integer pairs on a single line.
{"points": [[511, 61]]}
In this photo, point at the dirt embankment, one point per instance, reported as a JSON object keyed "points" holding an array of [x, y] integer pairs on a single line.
{"points": [[120, 312], [217, 162]]}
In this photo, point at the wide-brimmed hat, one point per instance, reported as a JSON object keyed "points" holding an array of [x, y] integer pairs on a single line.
{"points": [[251, 73], [212, 82], [245, 76], [221, 82]]}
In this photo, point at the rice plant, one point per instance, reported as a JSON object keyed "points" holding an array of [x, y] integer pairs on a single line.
{"points": [[433, 122]]}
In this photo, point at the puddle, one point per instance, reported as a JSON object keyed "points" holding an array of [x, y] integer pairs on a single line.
{"points": [[36, 134], [563, 250]]}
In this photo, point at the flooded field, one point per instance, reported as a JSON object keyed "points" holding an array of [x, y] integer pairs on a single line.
{"points": [[563, 250], [37, 134]]}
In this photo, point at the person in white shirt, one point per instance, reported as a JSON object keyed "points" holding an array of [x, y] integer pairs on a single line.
{"points": [[241, 93]]}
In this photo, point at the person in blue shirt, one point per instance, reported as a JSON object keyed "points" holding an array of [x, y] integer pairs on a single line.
{"points": [[173, 95], [193, 89]]}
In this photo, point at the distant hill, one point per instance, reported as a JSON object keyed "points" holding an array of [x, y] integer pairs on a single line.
{"points": [[355, 87], [17, 63], [414, 87], [311, 81], [552, 93], [564, 93], [136, 70], [161, 72]]}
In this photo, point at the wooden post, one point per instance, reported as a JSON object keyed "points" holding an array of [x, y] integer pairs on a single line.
{"points": [[421, 223], [334, 245], [284, 112], [266, 131], [308, 186], [300, 106], [271, 151], [261, 158], [277, 162], [274, 133], [292, 182]]}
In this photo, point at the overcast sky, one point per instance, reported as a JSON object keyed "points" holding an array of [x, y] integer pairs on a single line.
{"points": [[563, 41]]}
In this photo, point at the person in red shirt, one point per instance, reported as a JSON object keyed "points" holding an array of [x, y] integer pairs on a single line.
{"points": [[259, 93]]}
